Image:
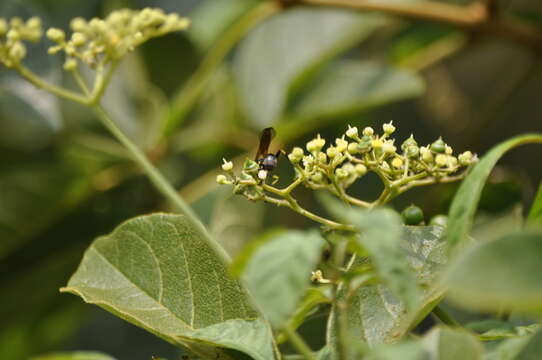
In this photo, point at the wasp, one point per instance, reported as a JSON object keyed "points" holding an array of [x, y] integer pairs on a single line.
{"points": [[266, 161]]}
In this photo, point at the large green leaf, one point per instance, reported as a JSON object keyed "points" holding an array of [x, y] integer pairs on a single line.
{"points": [[500, 273], [281, 52], [348, 86], [518, 348], [278, 272], [449, 344], [77, 355], [535, 214], [375, 314], [466, 200], [158, 272]]}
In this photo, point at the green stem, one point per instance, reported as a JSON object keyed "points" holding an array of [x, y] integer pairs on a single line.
{"points": [[59, 91], [191, 91], [298, 343], [445, 317]]}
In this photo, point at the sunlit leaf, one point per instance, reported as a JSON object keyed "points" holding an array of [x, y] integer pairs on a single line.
{"points": [[77, 355], [157, 272], [466, 200], [278, 272], [504, 273], [280, 53]]}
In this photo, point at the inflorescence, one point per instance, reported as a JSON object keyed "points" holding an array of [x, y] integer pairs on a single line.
{"points": [[351, 157]]}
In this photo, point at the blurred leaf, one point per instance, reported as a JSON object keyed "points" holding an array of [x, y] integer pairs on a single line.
{"points": [[375, 314], [211, 18], [158, 273], [278, 272], [535, 214], [450, 344], [348, 86], [77, 355], [280, 53], [520, 348], [504, 273], [466, 199], [403, 351]]}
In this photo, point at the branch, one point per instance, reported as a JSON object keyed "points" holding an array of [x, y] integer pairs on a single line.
{"points": [[478, 16]]}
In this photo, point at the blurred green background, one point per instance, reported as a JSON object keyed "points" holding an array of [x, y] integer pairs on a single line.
{"points": [[64, 180]]}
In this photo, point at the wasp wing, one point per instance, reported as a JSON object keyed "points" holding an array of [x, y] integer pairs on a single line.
{"points": [[265, 139]]}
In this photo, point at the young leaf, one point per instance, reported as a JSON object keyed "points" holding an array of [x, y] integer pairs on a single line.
{"points": [[77, 355], [466, 200], [285, 48], [504, 273], [535, 214], [278, 272], [158, 273]]}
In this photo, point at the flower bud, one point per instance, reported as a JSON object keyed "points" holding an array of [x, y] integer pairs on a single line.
{"points": [[365, 144], [441, 160], [221, 179], [318, 177], [342, 144], [360, 169], [78, 24], [439, 146], [55, 35], [389, 148], [3, 26], [340, 173], [316, 144], [308, 160], [331, 152], [452, 161], [353, 148], [322, 158], [388, 128], [70, 64], [352, 132], [17, 51], [227, 166], [412, 151], [409, 142], [377, 143], [34, 23], [78, 39], [397, 162], [349, 168], [426, 154], [368, 131], [465, 158], [250, 165], [13, 35], [296, 155]]}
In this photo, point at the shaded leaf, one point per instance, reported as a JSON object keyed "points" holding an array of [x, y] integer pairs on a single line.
{"points": [[158, 272], [501, 273], [281, 52], [77, 355], [535, 214], [449, 344], [278, 272], [403, 351], [519, 348], [467, 197]]}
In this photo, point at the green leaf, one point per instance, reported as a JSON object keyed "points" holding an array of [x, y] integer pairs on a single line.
{"points": [[158, 273], [347, 87], [77, 355], [375, 314], [282, 52], [535, 214], [449, 344], [504, 273], [404, 351], [466, 200], [519, 348], [278, 272], [381, 237]]}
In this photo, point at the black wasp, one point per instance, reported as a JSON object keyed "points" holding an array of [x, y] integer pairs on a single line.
{"points": [[266, 161]]}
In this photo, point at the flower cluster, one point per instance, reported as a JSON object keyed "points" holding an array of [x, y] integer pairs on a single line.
{"points": [[112, 37], [12, 35], [350, 157]]}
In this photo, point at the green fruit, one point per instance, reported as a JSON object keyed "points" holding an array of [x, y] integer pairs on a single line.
{"points": [[439, 146], [412, 215], [439, 220]]}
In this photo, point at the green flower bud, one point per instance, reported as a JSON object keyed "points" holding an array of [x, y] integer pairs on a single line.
{"points": [[322, 158], [78, 39], [296, 155], [452, 161], [221, 179], [349, 168], [3, 26], [331, 152], [341, 145], [439, 220], [465, 158], [439, 146], [317, 178], [34, 23], [13, 35], [17, 52], [448, 150], [308, 161], [227, 165], [70, 64], [368, 131], [441, 160], [397, 162], [353, 148], [412, 151], [377, 143], [55, 35], [340, 173], [360, 169], [409, 142], [388, 128], [250, 166], [389, 148], [412, 215], [316, 144], [352, 132], [79, 24], [365, 144]]}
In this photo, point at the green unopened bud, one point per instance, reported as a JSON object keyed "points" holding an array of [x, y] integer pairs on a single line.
{"points": [[389, 148], [452, 161], [365, 144], [17, 52], [331, 152], [55, 35], [409, 142], [296, 155], [308, 161], [70, 64], [349, 168], [388, 128], [78, 39], [439, 146], [340, 173], [78, 24], [368, 131], [3, 27], [98, 25], [316, 144], [426, 154], [34, 23], [227, 165], [13, 35], [341, 144], [250, 166], [412, 151], [441, 160], [465, 158], [353, 148], [397, 162], [352, 132], [322, 158], [360, 169], [448, 150], [318, 177], [221, 179], [377, 143]]}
